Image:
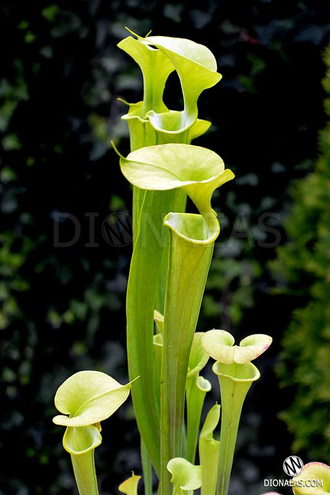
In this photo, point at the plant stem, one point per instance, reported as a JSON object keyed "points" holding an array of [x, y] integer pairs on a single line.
{"points": [[196, 389], [209, 452], [146, 262], [235, 382], [147, 470], [84, 472], [189, 262]]}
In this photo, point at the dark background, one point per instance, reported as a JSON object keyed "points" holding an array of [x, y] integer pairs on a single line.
{"points": [[62, 306]]}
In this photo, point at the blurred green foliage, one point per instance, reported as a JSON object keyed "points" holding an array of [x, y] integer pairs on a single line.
{"points": [[62, 307], [304, 267]]}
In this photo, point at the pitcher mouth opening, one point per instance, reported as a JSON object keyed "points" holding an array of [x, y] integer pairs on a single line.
{"points": [[192, 227], [246, 372]]}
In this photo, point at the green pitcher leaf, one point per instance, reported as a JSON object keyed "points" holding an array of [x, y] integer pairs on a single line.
{"points": [[78, 441], [155, 67], [211, 422], [219, 344], [88, 397], [157, 57], [196, 389], [130, 486], [151, 123], [198, 356], [196, 67], [150, 249], [209, 452], [185, 476], [169, 166], [192, 244], [235, 381], [197, 170]]}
